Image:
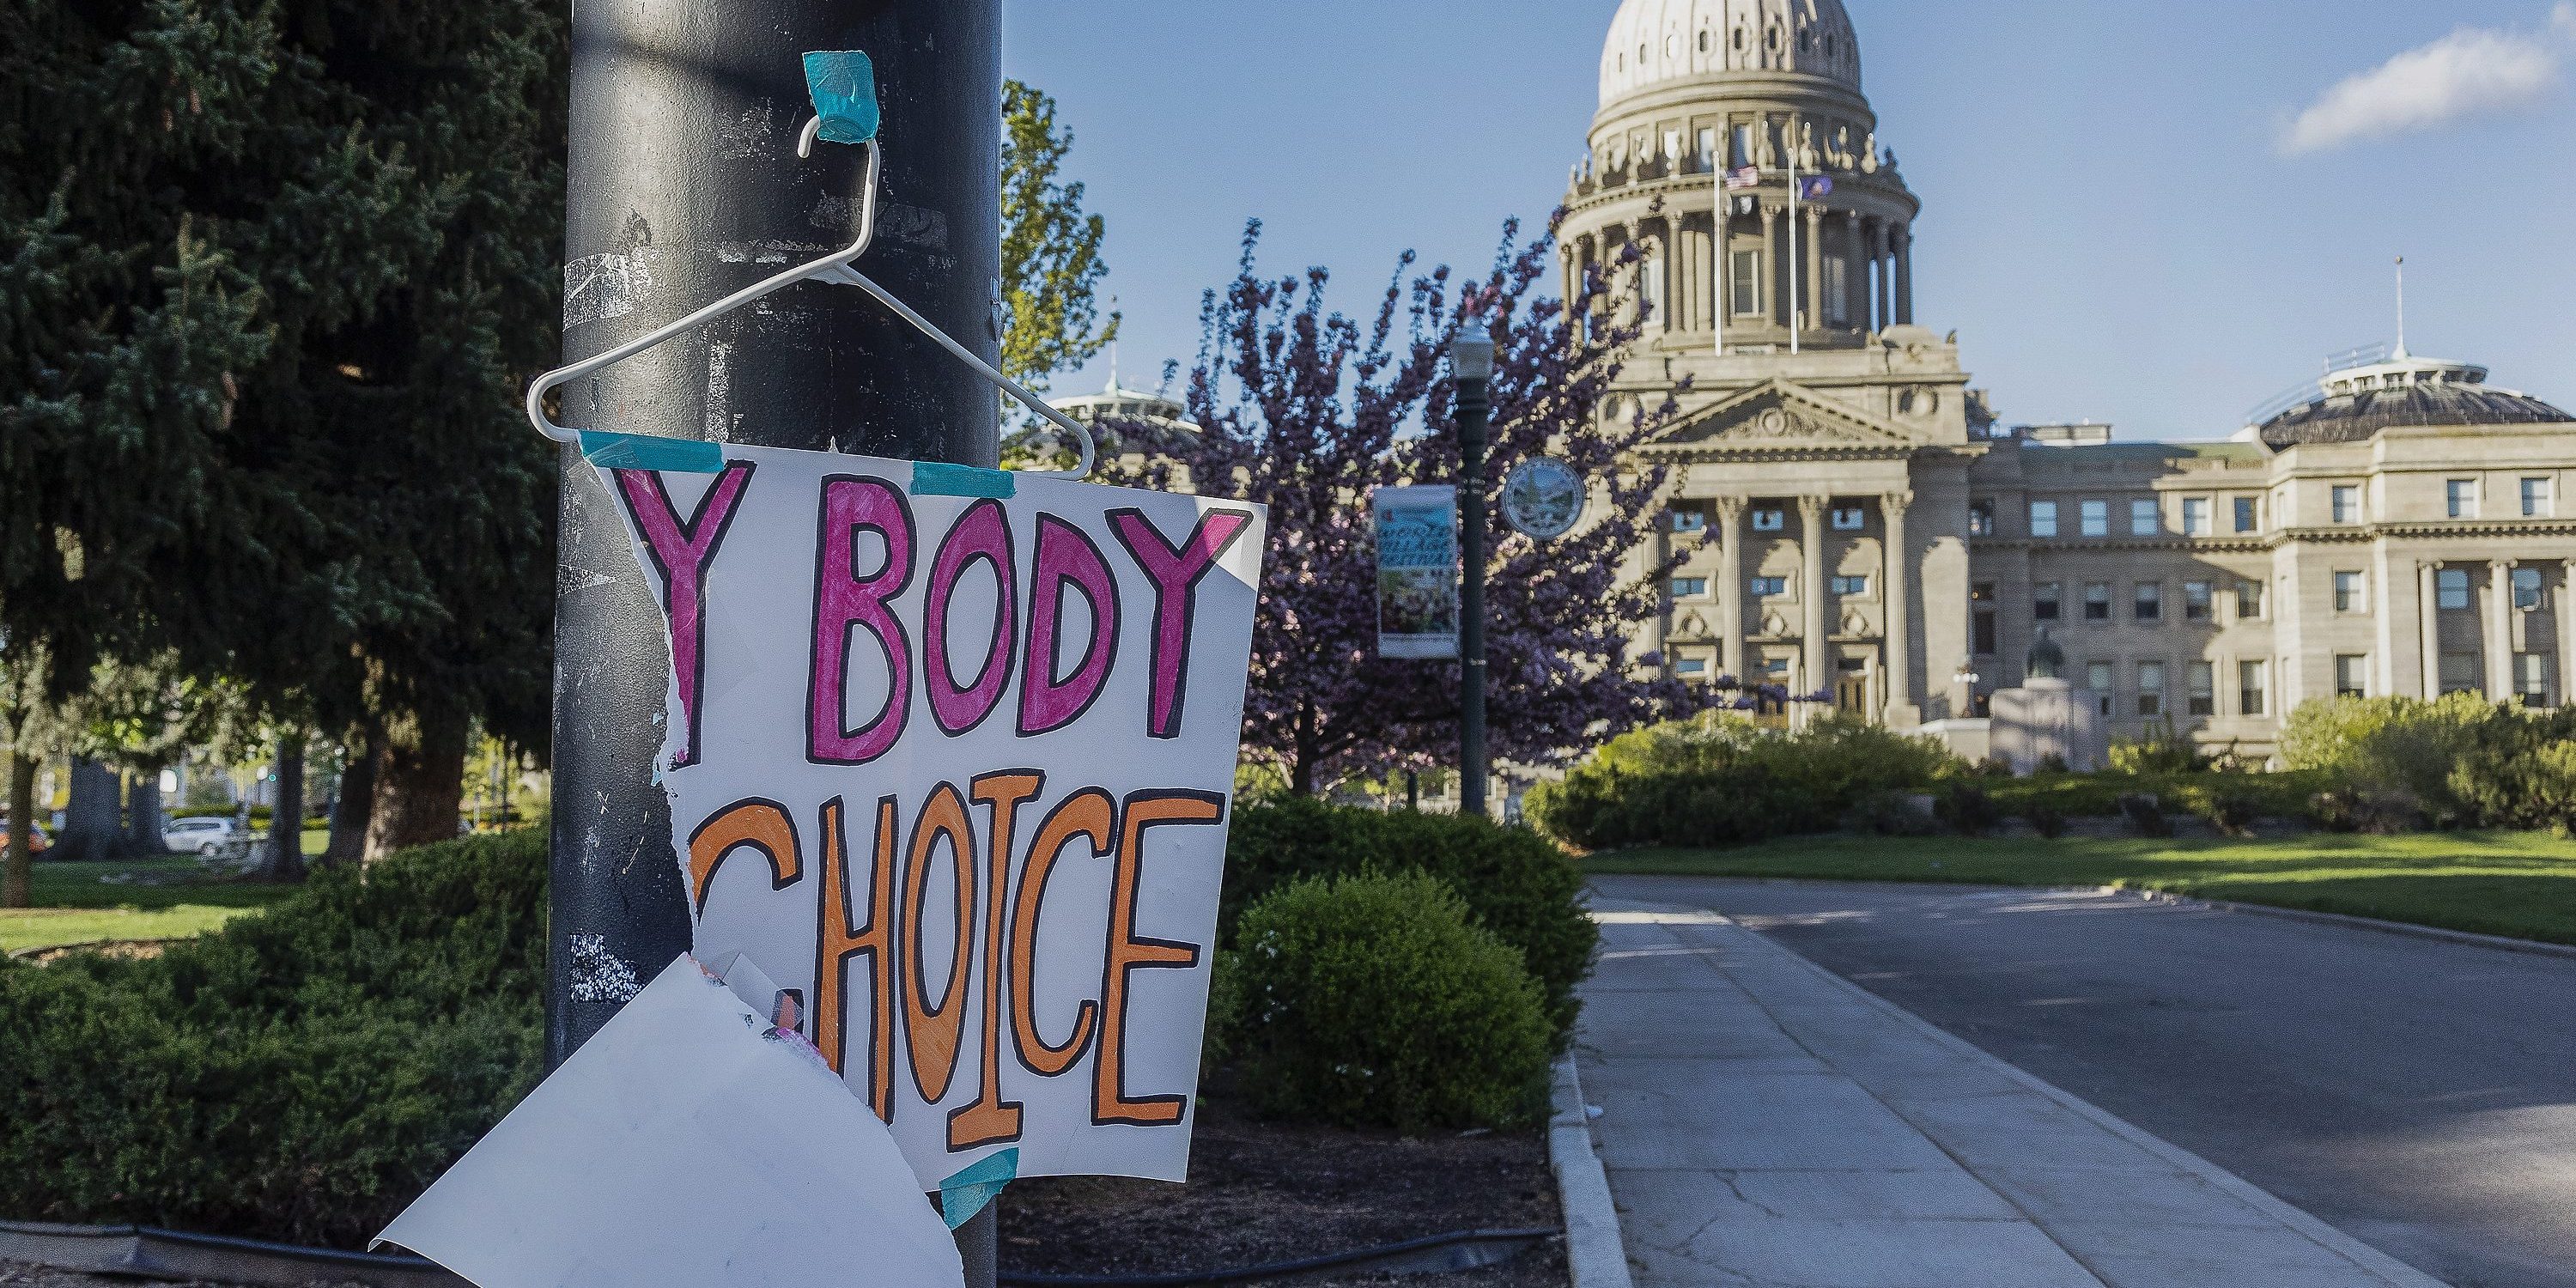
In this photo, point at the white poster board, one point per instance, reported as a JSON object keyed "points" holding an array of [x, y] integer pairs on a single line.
{"points": [[951, 756]]}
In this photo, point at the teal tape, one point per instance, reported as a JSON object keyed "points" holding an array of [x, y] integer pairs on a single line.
{"points": [[637, 452], [932, 478], [978, 1183], [843, 84]]}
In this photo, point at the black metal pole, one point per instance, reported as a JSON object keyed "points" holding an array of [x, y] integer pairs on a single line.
{"points": [[685, 186], [1474, 403]]}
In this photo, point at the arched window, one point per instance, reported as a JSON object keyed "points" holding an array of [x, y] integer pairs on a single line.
{"points": [[1703, 40], [1739, 39], [1772, 40]]}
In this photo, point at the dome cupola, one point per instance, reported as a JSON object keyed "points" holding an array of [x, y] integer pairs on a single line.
{"points": [[1654, 43]]}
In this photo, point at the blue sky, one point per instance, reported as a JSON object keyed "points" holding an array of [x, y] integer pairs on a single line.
{"points": [[2155, 215]]}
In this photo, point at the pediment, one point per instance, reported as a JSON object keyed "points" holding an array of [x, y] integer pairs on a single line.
{"points": [[1781, 417]]}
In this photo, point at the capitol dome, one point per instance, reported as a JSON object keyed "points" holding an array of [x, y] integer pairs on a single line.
{"points": [[1654, 43], [2369, 390]]}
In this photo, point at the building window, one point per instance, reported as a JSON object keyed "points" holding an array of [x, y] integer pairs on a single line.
{"points": [[2459, 673], [2151, 689], [1690, 523], [2451, 588], [2201, 681], [1981, 519], [1851, 586], [2097, 601], [2195, 516], [2248, 514], [2253, 687], [2347, 503], [2347, 592], [2537, 501], [1987, 644], [1982, 592], [2043, 518], [2150, 601], [1691, 668], [1748, 283], [2531, 678], [2146, 517], [1690, 587], [1770, 587], [2460, 498], [2047, 602], [1776, 667], [2197, 598], [2249, 600], [1743, 133], [1772, 519], [1837, 291], [2526, 588], [1850, 518], [2097, 677], [2352, 675], [2097, 518]]}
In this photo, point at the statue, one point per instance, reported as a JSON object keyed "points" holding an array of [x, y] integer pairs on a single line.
{"points": [[1869, 154], [1807, 147], [2047, 660]]}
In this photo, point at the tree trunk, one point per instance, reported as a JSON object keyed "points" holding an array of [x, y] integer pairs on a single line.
{"points": [[90, 818], [17, 886], [285, 859], [143, 814], [356, 803], [420, 782]]}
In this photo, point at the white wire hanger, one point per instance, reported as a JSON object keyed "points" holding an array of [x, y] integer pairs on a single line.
{"points": [[834, 268]]}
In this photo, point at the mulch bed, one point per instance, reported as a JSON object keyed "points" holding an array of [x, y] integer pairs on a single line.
{"points": [[1262, 1192]]}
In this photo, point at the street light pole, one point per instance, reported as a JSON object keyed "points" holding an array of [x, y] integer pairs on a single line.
{"points": [[1471, 361], [684, 186]]}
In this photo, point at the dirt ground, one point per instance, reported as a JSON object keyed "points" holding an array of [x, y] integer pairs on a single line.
{"points": [[1261, 1193]]}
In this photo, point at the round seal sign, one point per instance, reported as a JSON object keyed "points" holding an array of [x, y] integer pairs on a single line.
{"points": [[1542, 498]]}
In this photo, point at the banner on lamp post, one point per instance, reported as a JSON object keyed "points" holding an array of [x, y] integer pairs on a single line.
{"points": [[950, 757], [1417, 571]]}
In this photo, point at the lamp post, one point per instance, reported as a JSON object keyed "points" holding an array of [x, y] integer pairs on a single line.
{"points": [[1471, 362]]}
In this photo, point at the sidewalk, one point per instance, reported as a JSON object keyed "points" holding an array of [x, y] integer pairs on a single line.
{"points": [[1766, 1123]]}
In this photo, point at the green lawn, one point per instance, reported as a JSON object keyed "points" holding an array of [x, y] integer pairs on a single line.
{"points": [[2499, 883], [151, 899]]}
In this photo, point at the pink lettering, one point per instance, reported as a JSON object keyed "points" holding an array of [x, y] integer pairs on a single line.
{"points": [[1066, 560], [1175, 572], [982, 534], [846, 603], [681, 552]]}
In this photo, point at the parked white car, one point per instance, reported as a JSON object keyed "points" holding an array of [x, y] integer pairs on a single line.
{"points": [[205, 836]]}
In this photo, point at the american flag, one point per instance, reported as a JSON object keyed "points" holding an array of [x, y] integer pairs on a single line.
{"points": [[1744, 177]]}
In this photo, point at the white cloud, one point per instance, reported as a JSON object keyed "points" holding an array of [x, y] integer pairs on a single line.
{"points": [[2472, 71]]}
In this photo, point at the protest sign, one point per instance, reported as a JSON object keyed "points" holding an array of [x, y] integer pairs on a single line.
{"points": [[950, 755], [1417, 571]]}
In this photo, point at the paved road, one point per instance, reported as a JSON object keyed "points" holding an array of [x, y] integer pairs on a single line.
{"points": [[2418, 1095]]}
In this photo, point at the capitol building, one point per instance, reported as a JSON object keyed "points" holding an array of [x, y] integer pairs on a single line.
{"points": [[1850, 519]]}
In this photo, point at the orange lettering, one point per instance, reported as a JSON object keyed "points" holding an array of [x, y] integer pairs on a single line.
{"points": [[932, 1032], [837, 940], [762, 825], [991, 1118], [1110, 1102], [1087, 813]]}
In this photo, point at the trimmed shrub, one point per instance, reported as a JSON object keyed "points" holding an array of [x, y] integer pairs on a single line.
{"points": [[2046, 821], [1371, 1001], [1966, 809], [2146, 815], [1892, 814], [1721, 780], [2224, 805], [299, 1075], [1515, 883]]}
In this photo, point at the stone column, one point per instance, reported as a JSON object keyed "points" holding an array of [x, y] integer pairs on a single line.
{"points": [[1731, 586], [2567, 633], [1812, 290], [1855, 273], [1659, 633], [1882, 310], [1896, 586], [2428, 638], [1818, 635], [1769, 295], [1905, 275], [2499, 630]]}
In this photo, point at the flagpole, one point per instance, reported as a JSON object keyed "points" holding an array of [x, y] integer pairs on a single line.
{"points": [[1717, 301], [1797, 294]]}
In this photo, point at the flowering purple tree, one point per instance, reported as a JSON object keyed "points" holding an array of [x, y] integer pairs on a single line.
{"points": [[1302, 410]]}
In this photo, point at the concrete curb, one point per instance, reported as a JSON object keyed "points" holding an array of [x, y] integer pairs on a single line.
{"points": [[1594, 1253], [2351, 1249], [2500, 943]]}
